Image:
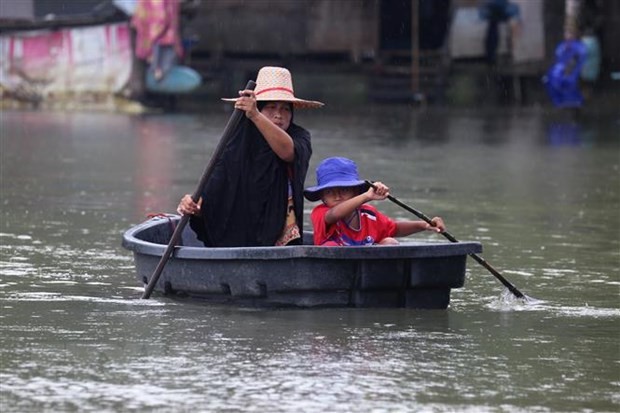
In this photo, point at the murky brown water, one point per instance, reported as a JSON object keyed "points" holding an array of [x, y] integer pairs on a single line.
{"points": [[541, 193]]}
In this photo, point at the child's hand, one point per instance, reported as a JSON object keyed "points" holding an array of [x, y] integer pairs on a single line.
{"points": [[437, 225], [379, 192]]}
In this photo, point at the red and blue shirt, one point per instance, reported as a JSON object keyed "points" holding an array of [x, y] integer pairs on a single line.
{"points": [[374, 227]]}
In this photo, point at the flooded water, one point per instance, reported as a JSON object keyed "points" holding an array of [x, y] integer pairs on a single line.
{"points": [[541, 193]]}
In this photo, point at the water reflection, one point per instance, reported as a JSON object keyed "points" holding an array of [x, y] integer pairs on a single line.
{"points": [[569, 133], [154, 164]]}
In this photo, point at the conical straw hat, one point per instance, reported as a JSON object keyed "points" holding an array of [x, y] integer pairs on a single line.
{"points": [[276, 84]]}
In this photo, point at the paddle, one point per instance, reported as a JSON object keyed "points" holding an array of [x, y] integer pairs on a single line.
{"points": [[449, 236], [232, 124]]}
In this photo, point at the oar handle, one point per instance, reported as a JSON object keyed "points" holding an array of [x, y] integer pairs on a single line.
{"points": [[450, 237], [232, 124]]}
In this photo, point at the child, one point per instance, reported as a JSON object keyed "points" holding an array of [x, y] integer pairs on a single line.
{"points": [[344, 218]]}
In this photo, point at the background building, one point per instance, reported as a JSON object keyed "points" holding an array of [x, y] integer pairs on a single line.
{"points": [[393, 50]]}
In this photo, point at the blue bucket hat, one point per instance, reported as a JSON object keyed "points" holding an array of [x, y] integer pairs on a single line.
{"points": [[333, 173]]}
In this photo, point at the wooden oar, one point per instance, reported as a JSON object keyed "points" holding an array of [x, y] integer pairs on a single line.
{"points": [[232, 124], [449, 236]]}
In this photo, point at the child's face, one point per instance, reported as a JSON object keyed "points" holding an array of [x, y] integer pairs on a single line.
{"points": [[333, 196]]}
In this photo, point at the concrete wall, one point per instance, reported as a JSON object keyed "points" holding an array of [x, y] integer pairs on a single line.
{"points": [[343, 26], [286, 27], [527, 44]]}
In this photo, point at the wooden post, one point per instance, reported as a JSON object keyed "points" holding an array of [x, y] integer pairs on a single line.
{"points": [[571, 16], [415, 48]]}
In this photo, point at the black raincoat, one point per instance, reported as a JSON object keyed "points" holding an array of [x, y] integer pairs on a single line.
{"points": [[245, 198]]}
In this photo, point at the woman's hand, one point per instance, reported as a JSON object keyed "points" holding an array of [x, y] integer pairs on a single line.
{"points": [[187, 206], [247, 103]]}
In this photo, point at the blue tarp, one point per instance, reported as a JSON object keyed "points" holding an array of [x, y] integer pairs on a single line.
{"points": [[562, 79]]}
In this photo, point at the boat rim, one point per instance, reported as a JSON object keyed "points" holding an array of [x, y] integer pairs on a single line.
{"points": [[407, 249]]}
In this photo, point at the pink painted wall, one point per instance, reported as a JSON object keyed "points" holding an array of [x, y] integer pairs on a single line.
{"points": [[84, 59]]}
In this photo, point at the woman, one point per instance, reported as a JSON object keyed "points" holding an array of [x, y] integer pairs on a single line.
{"points": [[254, 196]]}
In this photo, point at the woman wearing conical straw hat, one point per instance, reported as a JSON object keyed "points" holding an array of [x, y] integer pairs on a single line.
{"points": [[255, 195]]}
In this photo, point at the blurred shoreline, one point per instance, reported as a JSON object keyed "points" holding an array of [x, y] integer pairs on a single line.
{"points": [[338, 90]]}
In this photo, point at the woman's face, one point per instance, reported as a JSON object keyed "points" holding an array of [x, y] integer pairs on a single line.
{"points": [[279, 113]]}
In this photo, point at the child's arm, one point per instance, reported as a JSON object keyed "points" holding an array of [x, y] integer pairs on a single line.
{"points": [[346, 208], [404, 228]]}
